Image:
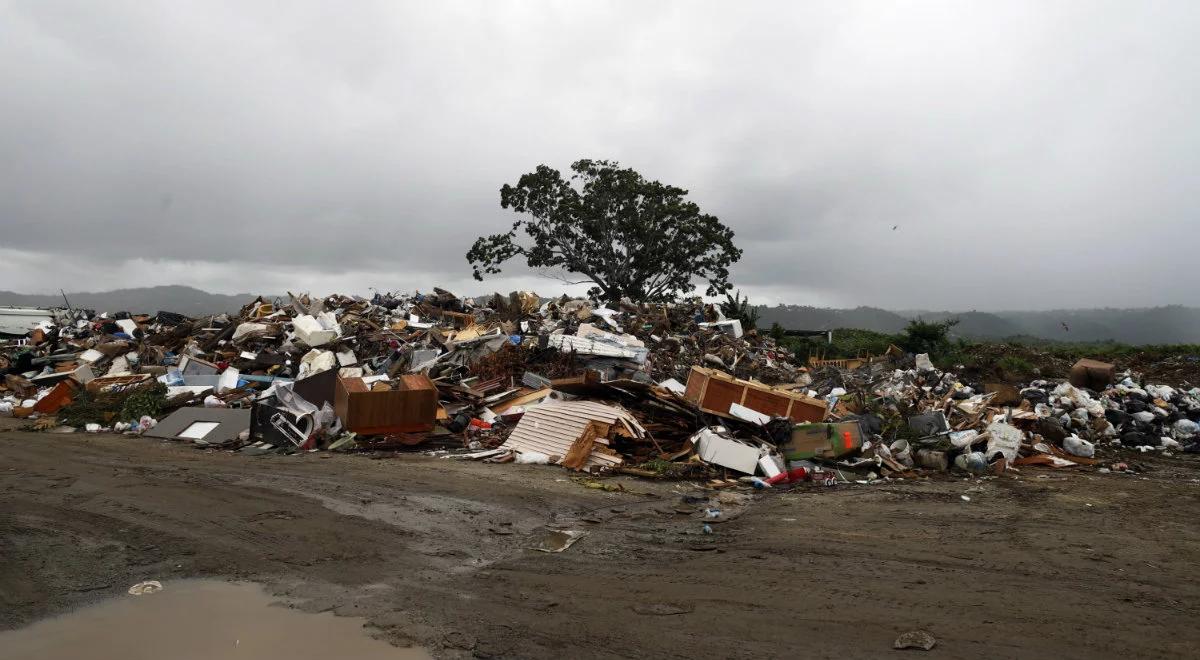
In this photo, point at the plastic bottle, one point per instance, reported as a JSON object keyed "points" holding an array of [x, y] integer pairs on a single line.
{"points": [[973, 461]]}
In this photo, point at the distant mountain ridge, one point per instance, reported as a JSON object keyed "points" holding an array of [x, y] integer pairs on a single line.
{"points": [[1173, 324], [148, 300]]}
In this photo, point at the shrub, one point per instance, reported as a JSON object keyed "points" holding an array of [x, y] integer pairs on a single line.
{"points": [[922, 336]]}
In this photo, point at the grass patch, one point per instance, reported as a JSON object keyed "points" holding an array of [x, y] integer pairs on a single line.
{"points": [[847, 343], [1014, 366]]}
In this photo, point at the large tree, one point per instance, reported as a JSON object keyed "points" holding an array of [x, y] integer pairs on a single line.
{"points": [[611, 227]]}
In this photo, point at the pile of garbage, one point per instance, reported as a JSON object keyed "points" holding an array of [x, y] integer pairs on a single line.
{"points": [[664, 390], [939, 422]]}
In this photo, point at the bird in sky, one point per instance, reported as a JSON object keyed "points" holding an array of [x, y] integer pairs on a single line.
{"points": [[1064, 325], [895, 227]]}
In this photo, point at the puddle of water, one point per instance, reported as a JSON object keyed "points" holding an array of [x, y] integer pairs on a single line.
{"points": [[555, 540], [197, 620]]}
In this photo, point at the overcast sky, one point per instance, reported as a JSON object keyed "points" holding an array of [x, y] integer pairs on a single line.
{"points": [[1033, 155]]}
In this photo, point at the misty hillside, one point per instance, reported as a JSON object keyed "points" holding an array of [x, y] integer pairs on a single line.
{"points": [[1155, 325], [148, 300]]}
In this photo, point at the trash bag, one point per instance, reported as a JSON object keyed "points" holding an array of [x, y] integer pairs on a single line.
{"points": [[532, 458], [1077, 446]]}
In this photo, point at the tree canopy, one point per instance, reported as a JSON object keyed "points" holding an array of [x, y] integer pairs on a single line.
{"points": [[921, 336], [627, 236]]}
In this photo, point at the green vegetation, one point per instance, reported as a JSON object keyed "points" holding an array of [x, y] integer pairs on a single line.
{"points": [[847, 343], [1014, 359], [144, 401], [918, 337], [1109, 350], [736, 307], [1015, 367], [611, 227], [115, 407], [664, 468], [921, 336], [962, 354]]}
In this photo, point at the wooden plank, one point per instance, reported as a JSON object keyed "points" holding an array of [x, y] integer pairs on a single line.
{"points": [[522, 400], [720, 394], [581, 449], [697, 381], [767, 403]]}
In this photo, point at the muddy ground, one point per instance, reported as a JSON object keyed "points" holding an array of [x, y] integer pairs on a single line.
{"points": [[435, 553]]}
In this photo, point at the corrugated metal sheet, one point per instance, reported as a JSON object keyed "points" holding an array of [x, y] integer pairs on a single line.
{"points": [[585, 346], [551, 427]]}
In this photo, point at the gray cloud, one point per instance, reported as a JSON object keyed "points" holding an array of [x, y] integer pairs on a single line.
{"points": [[1033, 154]]}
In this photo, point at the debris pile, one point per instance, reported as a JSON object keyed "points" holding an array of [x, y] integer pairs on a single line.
{"points": [[666, 390]]}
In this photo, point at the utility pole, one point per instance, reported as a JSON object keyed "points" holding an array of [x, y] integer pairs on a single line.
{"points": [[69, 308]]}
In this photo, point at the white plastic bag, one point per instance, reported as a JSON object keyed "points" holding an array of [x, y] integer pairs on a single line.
{"points": [[1004, 439], [1077, 446], [532, 458], [315, 362], [1185, 428]]}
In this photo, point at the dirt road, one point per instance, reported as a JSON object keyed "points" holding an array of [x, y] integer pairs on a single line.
{"points": [[435, 553]]}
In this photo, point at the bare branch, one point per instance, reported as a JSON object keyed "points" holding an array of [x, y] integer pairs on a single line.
{"points": [[561, 277]]}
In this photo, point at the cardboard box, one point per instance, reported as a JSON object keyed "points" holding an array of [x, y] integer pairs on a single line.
{"points": [[715, 391], [822, 441], [1092, 374], [409, 406], [1006, 395]]}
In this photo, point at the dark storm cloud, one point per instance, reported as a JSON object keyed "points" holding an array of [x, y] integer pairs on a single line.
{"points": [[1031, 154]]}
